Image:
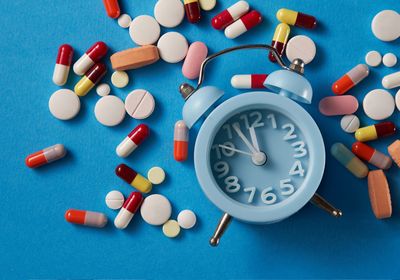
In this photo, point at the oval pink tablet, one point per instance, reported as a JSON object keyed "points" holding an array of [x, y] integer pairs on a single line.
{"points": [[338, 105], [379, 194], [195, 56], [139, 104]]}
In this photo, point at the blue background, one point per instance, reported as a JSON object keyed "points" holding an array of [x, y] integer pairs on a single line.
{"points": [[36, 242]]}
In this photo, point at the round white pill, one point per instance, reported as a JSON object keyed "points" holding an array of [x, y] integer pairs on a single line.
{"points": [[144, 30], [385, 25], [120, 79], [169, 13], [139, 104], [171, 229], [398, 100], [103, 89], [187, 219], [373, 58], [378, 104], [124, 20], [156, 175], [207, 5], [156, 209], [301, 47], [350, 123], [389, 60], [114, 200], [64, 104], [109, 110], [172, 47]]}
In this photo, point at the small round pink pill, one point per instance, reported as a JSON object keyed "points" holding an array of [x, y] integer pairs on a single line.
{"points": [[338, 105], [139, 104], [196, 54]]}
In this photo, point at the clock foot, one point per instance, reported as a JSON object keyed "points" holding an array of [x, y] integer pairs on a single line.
{"points": [[219, 231], [320, 202]]}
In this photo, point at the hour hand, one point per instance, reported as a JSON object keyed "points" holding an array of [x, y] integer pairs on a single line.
{"points": [[236, 127], [254, 138]]}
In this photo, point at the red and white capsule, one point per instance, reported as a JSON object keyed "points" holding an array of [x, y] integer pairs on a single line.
{"points": [[45, 156], [249, 81], [63, 64], [228, 16], [128, 210], [181, 141], [90, 57], [86, 218], [133, 140], [242, 25]]}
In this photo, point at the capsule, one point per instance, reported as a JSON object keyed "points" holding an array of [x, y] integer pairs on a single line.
{"points": [[133, 178], [192, 9], [391, 81], [88, 59], [350, 79], [133, 140], [63, 64], [112, 8], [375, 131], [86, 218], [91, 78], [371, 155], [250, 81], [228, 16], [296, 18], [279, 40], [243, 24], [46, 156], [349, 160], [181, 141], [128, 210]]}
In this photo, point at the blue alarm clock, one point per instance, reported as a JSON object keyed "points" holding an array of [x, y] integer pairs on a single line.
{"points": [[259, 156]]}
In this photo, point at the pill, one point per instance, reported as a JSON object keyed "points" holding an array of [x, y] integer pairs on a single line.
{"points": [[207, 5], [397, 100], [171, 229], [378, 104], [88, 59], [103, 89], [385, 25], [120, 79], [90, 79], [371, 155], [114, 200], [350, 123], [109, 110], [86, 218], [389, 60], [243, 24], [64, 104], [350, 79], [181, 141], [195, 56], [228, 16], [172, 47], [187, 219], [169, 13], [349, 160], [248, 81], [373, 58], [296, 18], [133, 178], [394, 151], [301, 47], [192, 9], [379, 194], [112, 8], [375, 131], [156, 209], [128, 210], [45, 156], [63, 63], [156, 175], [338, 105], [391, 81], [134, 58], [279, 40], [133, 140], [144, 30], [124, 21], [139, 104]]}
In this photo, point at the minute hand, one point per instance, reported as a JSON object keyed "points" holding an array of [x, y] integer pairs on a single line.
{"points": [[236, 127]]}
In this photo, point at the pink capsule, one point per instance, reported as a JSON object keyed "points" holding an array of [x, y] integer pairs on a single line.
{"points": [[181, 141], [88, 59], [250, 81], [242, 25], [63, 63], [133, 140]]}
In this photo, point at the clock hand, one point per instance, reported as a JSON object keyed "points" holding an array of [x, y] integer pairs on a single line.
{"points": [[254, 138], [235, 150], [236, 127]]}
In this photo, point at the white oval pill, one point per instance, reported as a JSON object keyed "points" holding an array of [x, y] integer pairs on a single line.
{"points": [[109, 110], [156, 209], [378, 104], [103, 89], [124, 20], [398, 101], [385, 25], [120, 79], [207, 5], [301, 47], [373, 58], [391, 81], [171, 229], [64, 104], [172, 47], [350, 123], [115, 200], [187, 219], [144, 30], [389, 60], [139, 104], [156, 175], [169, 13]]}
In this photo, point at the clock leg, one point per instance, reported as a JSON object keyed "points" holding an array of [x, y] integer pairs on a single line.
{"points": [[320, 202], [219, 231]]}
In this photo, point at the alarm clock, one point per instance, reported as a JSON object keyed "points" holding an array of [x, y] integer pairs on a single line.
{"points": [[259, 156]]}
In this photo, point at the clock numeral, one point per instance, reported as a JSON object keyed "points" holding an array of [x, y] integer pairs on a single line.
{"points": [[221, 151], [232, 184], [256, 123], [273, 120], [286, 187], [222, 168], [297, 169], [299, 148], [252, 191], [290, 134], [267, 196], [228, 129]]}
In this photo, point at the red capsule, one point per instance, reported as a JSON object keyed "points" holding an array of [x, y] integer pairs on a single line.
{"points": [[296, 18], [92, 55], [112, 8], [133, 140], [133, 178], [86, 218], [192, 9], [46, 156], [279, 40], [228, 16], [63, 63], [371, 155], [128, 210]]}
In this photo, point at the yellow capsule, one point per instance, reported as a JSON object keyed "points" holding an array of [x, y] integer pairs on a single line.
{"points": [[375, 131], [296, 18], [83, 86], [91, 78], [287, 16], [141, 184], [281, 34]]}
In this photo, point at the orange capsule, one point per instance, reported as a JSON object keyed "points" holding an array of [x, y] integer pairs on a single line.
{"points": [[112, 8], [86, 218], [350, 79], [181, 141], [45, 156]]}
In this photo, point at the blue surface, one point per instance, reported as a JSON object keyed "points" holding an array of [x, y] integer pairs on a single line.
{"points": [[36, 242]]}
